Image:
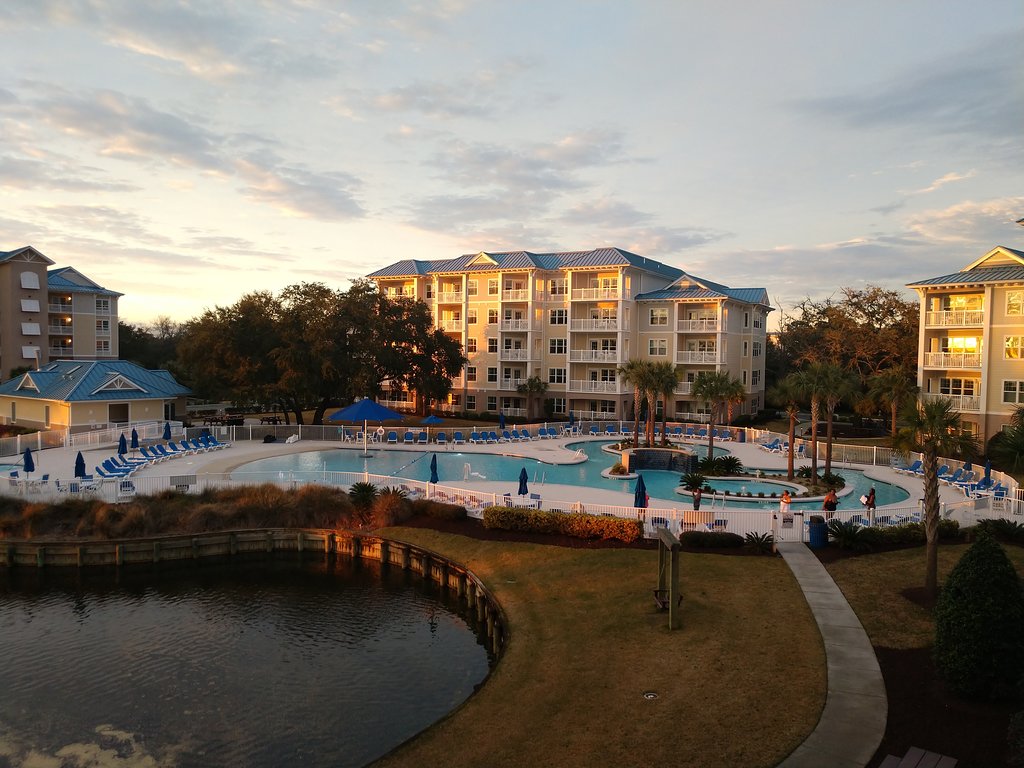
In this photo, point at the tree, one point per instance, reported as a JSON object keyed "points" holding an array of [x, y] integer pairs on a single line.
{"points": [[712, 388], [933, 428], [1007, 446], [893, 388], [788, 393], [634, 372], [534, 386], [735, 394], [813, 383], [837, 386], [664, 380]]}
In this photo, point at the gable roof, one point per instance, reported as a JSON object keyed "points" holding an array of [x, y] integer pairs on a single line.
{"points": [[692, 288], [524, 260], [25, 250], [76, 381], [1000, 265], [70, 280]]}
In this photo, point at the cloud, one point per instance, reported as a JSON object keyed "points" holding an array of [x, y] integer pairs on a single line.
{"points": [[120, 224], [942, 181], [54, 174], [300, 192]]}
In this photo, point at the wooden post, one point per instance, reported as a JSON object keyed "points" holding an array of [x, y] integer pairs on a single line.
{"points": [[156, 551], [40, 557], [385, 555], [667, 595]]}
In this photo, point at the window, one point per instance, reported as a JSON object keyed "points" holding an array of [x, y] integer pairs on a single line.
{"points": [[103, 346], [607, 374], [1015, 302], [470, 402], [492, 375], [1013, 348], [557, 316], [492, 403], [103, 327], [657, 347], [492, 287], [556, 346], [30, 280], [470, 373], [30, 352], [471, 288], [659, 316], [492, 345], [958, 387], [30, 305], [746, 319], [558, 287], [757, 319], [1013, 392], [429, 292], [470, 317], [757, 349], [744, 378], [556, 375], [755, 377], [471, 345], [746, 350], [559, 403], [492, 316], [30, 329]]}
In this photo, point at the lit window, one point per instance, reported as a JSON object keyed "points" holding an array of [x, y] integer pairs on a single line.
{"points": [[1013, 349]]}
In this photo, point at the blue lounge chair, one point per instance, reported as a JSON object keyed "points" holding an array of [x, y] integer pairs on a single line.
{"points": [[458, 439], [911, 469], [476, 439], [392, 437], [702, 433], [943, 472], [594, 431], [677, 432], [107, 471], [611, 430], [954, 478], [442, 438], [506, 436], [409, 438], [152, 455], [689, 433], [423, 439], [492, 437], [183, 448]]}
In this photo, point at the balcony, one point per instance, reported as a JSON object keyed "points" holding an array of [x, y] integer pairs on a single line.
{"points": [[452, 325], [62, 330], [707, 358], [684, 388], [450, 297], [595, 415], [516, 325], [517, 294], [596, 294], [958, 318], [952, 360], [600, 324], [513, 355], [705, 325], [398, 405], [963, 403], [458, 383], [61, 351], [689, 416], [512, 384], [447, 407], [605, 387], [61, 306], [593, 356], [510, 412]]}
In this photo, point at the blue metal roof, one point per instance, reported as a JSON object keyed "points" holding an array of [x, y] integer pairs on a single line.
{"points": [[77, 381], [56, 280], [1004, 273], [405, 268], [692, 288], [6, 255]]}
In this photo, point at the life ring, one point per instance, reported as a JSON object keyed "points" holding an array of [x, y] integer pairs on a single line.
{"points": [[380, 431]]}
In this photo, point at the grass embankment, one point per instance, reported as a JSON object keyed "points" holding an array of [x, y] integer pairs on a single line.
{"points": [[741, 684]]}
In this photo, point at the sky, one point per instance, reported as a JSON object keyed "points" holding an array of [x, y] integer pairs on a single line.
{"points": [[186, 153]]}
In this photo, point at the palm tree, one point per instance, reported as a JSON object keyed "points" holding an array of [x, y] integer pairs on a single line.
{"points": [[735, 394], [634, 372], [836, 386], [812, 383], [893, 387], [713, 388], [665, 378], [534, 385], [933, 428], [1007, 447], [788, 393]]}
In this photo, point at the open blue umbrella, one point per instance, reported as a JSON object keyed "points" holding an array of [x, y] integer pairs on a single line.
{"points": [[432, 419], [167, 430], [523, 477], [28, 464], [135, 440], [365, 410], [501, 420], [640, 494], [80, 465], [433, 468], [122, 445]]}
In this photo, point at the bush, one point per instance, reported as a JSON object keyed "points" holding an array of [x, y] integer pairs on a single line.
{"points": [[692, 481], [362, 494], [389, 509], [437, 510], [617, 469], [1001, 530], [759, 543], [577, 525], [710, 539], [832, 480], [979, 624], [848, 535]]}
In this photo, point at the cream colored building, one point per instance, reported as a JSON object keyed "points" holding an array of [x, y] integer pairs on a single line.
{"points": [[573, 319], [971, 339], [50, 314]]}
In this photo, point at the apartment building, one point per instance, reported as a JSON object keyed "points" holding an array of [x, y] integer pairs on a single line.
{"points": [[971, 339], [49, 314], [572, 319]]}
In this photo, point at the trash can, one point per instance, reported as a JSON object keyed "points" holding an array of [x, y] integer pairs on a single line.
{"points": [[741, 436], [817, 532]]}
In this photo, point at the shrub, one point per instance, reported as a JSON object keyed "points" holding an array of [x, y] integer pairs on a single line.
{"points": [[979, 624], [437, 510], [848, 535], [577, 525], [730, 465], [758, 543], [710, 539], [362, 494], [692, 481], [1001, 530], [389, 509], [832, 480], [617, 469]]}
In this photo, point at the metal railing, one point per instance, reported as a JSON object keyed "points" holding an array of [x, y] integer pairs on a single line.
{"points": [[689, 356], [708, 325], [952, 360], [593, 356], [600, 324], [584, 385], [595, 294], [955, 317], [961, 402]]}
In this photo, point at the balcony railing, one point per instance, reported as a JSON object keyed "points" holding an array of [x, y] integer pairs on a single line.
{"points": [[594, 415], [512, 355], [516, 325], [518, 294], [952, 360], [585, 385], [450, 297], [59, 307], [712, 357], [510, 383], [62, 351], [706, 325], [596, 294], [600, 324], [688, 416], [593, 356], [452, 325], [960, 402], [60, 330], [684, 388], [447, 407], [398, 404], [509, 412], [955, 317]]}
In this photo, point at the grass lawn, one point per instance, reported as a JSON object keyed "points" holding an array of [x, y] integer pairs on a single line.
{"points": [[741, 684]]}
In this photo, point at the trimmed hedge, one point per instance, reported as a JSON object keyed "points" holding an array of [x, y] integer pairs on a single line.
{"points": [[575, 524], [710, 539], [908, 533], [438, 510]]}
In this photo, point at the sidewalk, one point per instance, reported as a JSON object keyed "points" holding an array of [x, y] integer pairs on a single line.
{"points": [[852, 723]]}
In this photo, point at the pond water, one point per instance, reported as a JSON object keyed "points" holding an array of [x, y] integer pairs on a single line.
{"points": [[257, 663]]}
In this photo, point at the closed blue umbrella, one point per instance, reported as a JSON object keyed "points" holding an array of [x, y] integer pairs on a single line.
{"points": [[523, 477], [122, 445], [80, 465], [28, 464], [572, 419], [968, 467], [167, 430], [988, 470], [640, 494], [501, 420], [433, 468], [135, 439]]}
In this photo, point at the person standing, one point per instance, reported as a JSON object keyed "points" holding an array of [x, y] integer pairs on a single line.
{"points": [[784, 503], [869, 501], [830, 503], [696, 499]]}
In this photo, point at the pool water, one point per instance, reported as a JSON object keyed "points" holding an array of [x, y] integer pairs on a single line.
{"points": [[453, 466]]}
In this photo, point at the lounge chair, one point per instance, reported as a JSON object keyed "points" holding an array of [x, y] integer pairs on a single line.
{"points": [[910, 469], [506, 436], [594, 431], [677, 432], [659, 522], [184, 448], [392, 437], [626, 432], [458, 439], [476, 439], [535, 497], [442, 438], [517, 436], [492, 437], [14, 480], [702, 434], [611, 430], [724, 435], [153, 455], [166, 450], [689, 433], [954, 478], [110, 474], [422, 439], [771, 445], [717, 525], [409, 438], [943, 472]]}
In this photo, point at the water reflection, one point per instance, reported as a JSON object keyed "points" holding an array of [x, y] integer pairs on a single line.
{"points": [[261, 663]]}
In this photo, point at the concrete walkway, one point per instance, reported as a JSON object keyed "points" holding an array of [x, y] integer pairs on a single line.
{"points": [[852, 723]]}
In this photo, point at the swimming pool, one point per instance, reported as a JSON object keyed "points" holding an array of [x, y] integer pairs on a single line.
{"points": [[453, 466]]}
